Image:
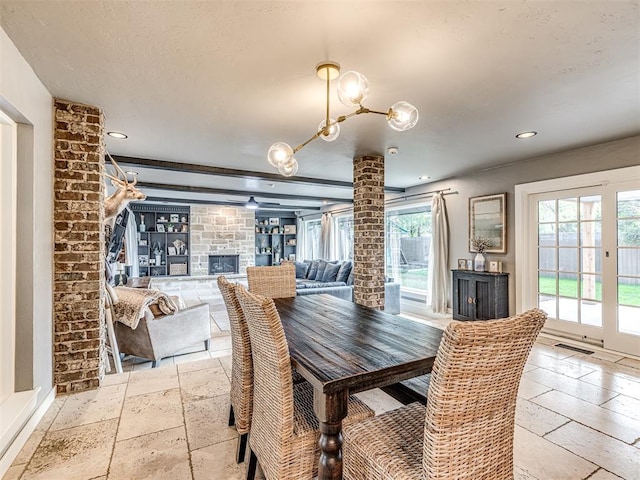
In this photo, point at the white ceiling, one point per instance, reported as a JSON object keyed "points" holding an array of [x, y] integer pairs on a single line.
{"points": [[217, 82]]}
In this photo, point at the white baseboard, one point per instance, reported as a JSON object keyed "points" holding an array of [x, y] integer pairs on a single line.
{"points": [[28, 420]]}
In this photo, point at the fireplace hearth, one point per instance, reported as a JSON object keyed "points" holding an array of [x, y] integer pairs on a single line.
{"points": [[224, 264]]}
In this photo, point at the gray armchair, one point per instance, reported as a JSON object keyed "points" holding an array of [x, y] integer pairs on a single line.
{"points": [[164, 335]]}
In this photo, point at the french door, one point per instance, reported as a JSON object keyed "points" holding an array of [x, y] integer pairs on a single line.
{"points": [[586, 262]]}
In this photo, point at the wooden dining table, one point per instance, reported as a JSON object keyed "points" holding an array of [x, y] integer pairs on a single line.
{"points": [[341, 347]]}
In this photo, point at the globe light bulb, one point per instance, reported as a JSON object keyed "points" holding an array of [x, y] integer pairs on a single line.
{"points": [[279, 153], [353, 88], [334, 130], [402, 116], [288, 168]]}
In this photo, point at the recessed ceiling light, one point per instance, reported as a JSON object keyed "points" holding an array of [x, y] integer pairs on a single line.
{"points": [[324, 202], [526, 134], [392, 150], [119, 135], [424, 177], [131, 172], [271, 185]]}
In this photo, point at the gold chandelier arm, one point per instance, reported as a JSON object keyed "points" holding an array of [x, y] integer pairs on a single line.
{"points": [[340, 119], [303, 144], [326, 123], [388, 113]]}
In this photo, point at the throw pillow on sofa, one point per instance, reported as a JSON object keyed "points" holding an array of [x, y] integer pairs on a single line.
{"points": [[302, 269], [322, 264], [313, 270], [350, 278], [331, 272], [343, 273]]}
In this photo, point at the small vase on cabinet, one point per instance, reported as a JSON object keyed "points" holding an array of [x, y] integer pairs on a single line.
{"points": [[479, 262]]}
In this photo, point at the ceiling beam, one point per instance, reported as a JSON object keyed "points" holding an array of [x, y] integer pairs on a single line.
{"points": [[230, 172], [230, 204], [241, 193]]}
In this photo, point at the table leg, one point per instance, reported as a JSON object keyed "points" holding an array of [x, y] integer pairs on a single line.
{"points": [[330, 409]]}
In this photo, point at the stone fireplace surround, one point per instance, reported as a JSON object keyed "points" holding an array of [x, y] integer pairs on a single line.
{"points": [[221, 230]]}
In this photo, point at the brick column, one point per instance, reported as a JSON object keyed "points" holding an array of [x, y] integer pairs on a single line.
{"points": [[368, 237], [78, 289]]}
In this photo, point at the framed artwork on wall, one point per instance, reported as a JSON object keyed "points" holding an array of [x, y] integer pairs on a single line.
{"points": [[488, 220]]}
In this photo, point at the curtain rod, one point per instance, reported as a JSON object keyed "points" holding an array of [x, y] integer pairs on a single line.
{"points": [[404, 197]]}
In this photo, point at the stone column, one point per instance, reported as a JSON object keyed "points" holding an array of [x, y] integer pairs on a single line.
{"points": [[368, 238], [79, 250]]}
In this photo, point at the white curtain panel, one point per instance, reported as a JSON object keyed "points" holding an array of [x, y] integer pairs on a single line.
{"points": [[325, 237], [438, 291], [301, 239], [131, 244]]}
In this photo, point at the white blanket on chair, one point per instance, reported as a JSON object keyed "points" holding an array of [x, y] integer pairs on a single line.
{"points": [[133, 302]]}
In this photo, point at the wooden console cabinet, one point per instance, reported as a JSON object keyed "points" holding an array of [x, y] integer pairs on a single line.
{"points": [[480, 295]]}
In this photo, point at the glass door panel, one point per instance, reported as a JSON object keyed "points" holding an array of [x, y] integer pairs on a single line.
{"points": [[569, 259], [628, 257]]}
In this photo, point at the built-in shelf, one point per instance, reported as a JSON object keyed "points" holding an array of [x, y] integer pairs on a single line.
{"points": [[275, 231], [159, 229]]}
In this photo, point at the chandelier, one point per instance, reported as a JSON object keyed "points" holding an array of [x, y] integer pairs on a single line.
{"points": [[353, 89]]}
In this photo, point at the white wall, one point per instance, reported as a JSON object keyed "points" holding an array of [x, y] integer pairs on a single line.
{"points": [[25, 100], [606, 156]]}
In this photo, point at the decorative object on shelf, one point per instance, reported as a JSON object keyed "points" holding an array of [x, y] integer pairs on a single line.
{"points": [[143, 260], [292, 257], [353, 89], [291, 242], [143, 227], [173, 218], [185, 228], [462, 264], [470, 264], [180, 246], [487, 219], [170, 227], [157, 253], [172, 251], [160, 227], [495, 266], [289, 229], [177, 269], [162, 219], [274, 221], [183, 219], [480, 245], [142, 242]]}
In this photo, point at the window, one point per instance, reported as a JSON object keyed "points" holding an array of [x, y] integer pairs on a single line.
{"points": [[343, 237], [312, 229], [408, 238]]}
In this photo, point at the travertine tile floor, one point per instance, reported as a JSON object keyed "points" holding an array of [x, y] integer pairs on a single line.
{"points": [[578, 417]]}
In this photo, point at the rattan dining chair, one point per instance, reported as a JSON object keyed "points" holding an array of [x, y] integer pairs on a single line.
{"points": [[466, 429], [241, 367], [273, 282], [284, 429]]}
